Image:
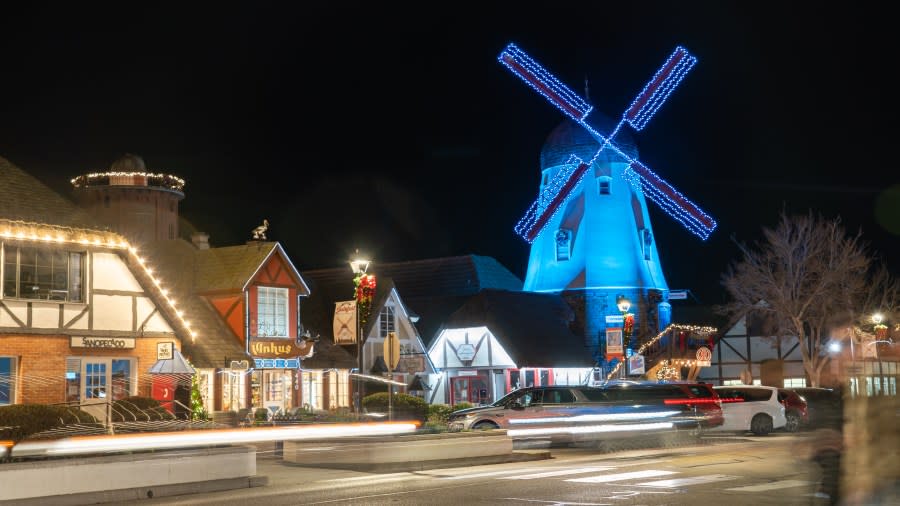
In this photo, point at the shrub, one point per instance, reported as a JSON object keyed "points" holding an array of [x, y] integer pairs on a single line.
{"points": [[405, 407], [462, 405], [439, 413], [139, 409], [19, 421]]}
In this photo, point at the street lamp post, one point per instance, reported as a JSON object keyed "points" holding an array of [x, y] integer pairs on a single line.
{"points": [[359, 267]]}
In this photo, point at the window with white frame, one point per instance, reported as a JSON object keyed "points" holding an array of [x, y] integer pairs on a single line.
{"points": [[386, 321], [272, 312], [603, 185], [42, 273], [7, 380]]}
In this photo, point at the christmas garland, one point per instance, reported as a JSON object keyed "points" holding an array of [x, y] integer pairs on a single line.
{"points": [[364, 293]]}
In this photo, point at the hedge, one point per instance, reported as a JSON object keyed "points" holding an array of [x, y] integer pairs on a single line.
{"points": [[405, 407], [18, 421]]}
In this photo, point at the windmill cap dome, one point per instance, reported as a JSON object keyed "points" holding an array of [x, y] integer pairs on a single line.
{"points": [[128, 163], [570, 138]]}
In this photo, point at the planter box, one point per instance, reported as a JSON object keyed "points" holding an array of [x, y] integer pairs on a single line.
{"points": [[125, 477], [374, 453]]}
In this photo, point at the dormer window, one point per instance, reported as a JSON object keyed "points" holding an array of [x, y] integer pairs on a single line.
{"points": [[563, 244], [271, 312], [386, 321], [603, 185]]}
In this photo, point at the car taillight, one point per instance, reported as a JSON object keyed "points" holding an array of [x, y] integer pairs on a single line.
{"points": [[692, 401]]}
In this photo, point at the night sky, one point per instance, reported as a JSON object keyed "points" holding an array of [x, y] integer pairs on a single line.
{"points": [[397, 132]]}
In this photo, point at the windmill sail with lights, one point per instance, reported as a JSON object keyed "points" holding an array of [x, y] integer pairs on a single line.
{"points": [[589, 228]]}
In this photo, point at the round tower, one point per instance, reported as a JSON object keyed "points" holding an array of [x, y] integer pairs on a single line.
{"points": [[599, 248], [141, 206]]}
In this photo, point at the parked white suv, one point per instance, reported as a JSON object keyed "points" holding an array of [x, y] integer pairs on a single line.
{"points": [[750, 408]]}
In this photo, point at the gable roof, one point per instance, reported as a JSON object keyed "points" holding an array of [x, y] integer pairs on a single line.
{"points": [[216, 345], [25, 198], [231, 268], [532, 327]]}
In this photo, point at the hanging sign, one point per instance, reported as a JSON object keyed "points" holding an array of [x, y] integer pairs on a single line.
{"points": [[165, 351], [345, 322], [614, 319]]}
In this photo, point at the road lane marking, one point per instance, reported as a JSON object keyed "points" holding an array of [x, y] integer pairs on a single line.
{"points": [[370, 477], [558, 503], [489, 473], [560, 472], [682, 482], [623, 476], [775, 485]]}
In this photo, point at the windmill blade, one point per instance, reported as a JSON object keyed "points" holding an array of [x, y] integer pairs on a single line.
{"points": [[659, 88], [552, 199], [670, 200], [544, 83]]}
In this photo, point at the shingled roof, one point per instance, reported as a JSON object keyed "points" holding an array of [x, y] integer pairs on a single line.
{"points": [[178, 262], [25, 198], [230, 268], [532, 327]]}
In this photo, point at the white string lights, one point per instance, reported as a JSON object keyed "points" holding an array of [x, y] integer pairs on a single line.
{"points": [[55, 234], [699, 329]]}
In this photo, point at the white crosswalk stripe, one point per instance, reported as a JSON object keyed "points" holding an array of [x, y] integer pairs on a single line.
{"points": [[559, 472], [683, 482], [775, 485], [650, 473]]}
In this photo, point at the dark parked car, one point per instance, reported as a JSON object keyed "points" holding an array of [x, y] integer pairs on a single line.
{"points": [[824, 405], [795, 409]]}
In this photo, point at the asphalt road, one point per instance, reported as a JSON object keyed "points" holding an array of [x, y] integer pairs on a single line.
{"points": [[723, 470]]}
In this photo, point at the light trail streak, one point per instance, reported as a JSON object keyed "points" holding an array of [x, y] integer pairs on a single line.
{"points": [[174, 440]]}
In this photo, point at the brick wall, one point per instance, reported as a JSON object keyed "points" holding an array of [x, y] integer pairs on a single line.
{"points": [[42, 364]]}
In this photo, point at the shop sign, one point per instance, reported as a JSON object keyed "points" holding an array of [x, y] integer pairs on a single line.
{"points": [[277, 363], [615, 319], [411, 363], [279, 348], [113, 343], [165, 351], [467, 373], [465, 352]]}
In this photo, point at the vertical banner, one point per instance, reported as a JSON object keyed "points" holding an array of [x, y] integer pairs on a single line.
{"points": [[614, 346], [345, 322], [636, 364]]}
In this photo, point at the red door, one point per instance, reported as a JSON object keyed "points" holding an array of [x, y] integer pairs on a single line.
{"points": [[471, 389]]}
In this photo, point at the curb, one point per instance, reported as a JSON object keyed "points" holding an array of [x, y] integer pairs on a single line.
{"points": [[395, 467]]}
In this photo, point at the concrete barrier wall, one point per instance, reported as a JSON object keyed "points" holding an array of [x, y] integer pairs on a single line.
{"points": [[25, 480], [414, 448]]}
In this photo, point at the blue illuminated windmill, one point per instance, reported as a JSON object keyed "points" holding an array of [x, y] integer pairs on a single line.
{"points": [[589, 229]]}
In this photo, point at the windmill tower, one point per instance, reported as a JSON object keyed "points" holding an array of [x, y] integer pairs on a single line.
{"points": [[589, 229]]}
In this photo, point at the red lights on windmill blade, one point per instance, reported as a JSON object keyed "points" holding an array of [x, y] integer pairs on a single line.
{"points": [[659, 88]]}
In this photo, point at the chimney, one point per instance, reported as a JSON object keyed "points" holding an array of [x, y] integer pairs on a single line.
{"points": [[200, 240]]}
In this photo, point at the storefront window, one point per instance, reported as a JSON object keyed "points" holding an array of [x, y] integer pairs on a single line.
{"points": [[7, 380], [312, 389], [233, 387], [42, 273], [340, 392], [92, 378]]}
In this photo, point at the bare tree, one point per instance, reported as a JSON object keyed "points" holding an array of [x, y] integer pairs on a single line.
{"points": [[803, 279]]}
